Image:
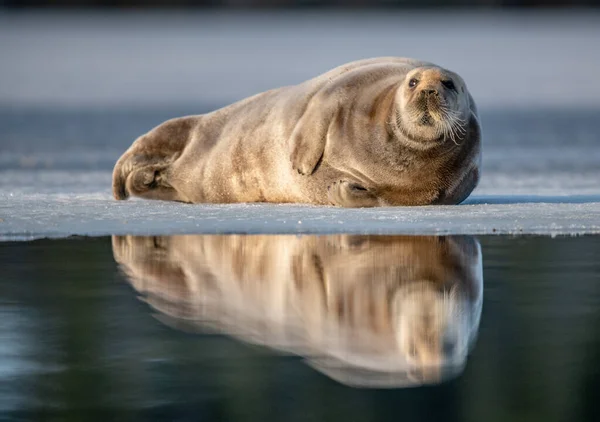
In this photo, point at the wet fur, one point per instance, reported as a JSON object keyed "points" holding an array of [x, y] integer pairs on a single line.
{"points": [[347, 138]]}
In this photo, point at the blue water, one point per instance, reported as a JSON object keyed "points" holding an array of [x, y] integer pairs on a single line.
{"points": [[171, 332]]}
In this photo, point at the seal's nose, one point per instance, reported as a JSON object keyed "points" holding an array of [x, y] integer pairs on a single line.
{"points": [[430, 92]]}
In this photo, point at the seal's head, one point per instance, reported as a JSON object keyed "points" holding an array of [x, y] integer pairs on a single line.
{"points": [[432, 106], [432, 328]]}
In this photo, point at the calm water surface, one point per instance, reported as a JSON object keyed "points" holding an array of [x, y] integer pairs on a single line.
{"points": [[336, 328]]}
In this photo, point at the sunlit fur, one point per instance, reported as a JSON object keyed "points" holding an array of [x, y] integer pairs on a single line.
{"points": [[355, 136], [427, 119], [365, 310]]}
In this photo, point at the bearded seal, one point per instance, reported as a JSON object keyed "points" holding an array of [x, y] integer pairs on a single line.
{"points": [[386, 131]]}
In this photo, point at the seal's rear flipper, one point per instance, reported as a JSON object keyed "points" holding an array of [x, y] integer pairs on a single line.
{"points": [[119, 178], [139, 176], [143, 170]]}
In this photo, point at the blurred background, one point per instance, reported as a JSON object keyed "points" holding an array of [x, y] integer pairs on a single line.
{"points": [[297, 3], [210, 53]]}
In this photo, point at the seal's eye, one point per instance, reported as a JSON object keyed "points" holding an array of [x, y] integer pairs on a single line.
{"points": [[449, 84], [413, 82]]}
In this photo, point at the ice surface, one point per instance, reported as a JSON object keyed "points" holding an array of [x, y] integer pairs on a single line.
{"points": [[56, 204], [76, 90]]}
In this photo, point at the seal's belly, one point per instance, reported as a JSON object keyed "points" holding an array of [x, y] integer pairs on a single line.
{"points": [[461, 190]]}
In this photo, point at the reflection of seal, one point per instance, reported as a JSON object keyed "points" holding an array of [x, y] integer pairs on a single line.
{"points": [[384, 131], [366, 310]]}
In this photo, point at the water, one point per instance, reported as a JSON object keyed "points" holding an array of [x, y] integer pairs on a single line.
{"points": [[300, 328]]}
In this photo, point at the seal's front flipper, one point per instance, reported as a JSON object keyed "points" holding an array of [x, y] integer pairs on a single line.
{"points": [[306, 153], [351, 195], [308, 139]]}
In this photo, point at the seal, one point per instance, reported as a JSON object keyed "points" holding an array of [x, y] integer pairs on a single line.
{"points": [[365, 310], [386, 131]]}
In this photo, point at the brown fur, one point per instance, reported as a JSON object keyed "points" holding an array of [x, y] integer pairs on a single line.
{"points": [[351, 137], [379, 304]]}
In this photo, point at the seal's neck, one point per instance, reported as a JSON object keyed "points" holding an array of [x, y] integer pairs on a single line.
{"points": [[383, 105]]}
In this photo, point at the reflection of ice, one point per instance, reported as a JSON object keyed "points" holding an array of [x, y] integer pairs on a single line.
{"points": [[385, 311], [13, 352]]}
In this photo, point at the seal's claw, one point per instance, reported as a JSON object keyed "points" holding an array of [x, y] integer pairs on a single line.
{"points": [[350, 194]]}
